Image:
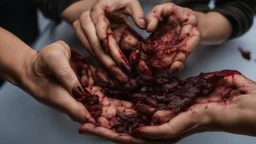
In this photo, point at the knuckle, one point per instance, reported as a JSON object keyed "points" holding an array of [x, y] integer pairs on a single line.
{"points": [[53, 51], [63, 44], [94, 8], [85, 17], [66, 73], [170, 5], [76, 24]]}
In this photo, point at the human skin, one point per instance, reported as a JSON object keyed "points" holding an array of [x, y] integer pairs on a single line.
{"points": [[46, 75], [93, 20], [104, 27], [236, 114], [210, 32], [217, 104]]}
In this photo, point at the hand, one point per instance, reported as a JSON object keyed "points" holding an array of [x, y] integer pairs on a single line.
{"points": [[110, 108], [51, 81], [235, 115], [106, 27], [175, 35]]}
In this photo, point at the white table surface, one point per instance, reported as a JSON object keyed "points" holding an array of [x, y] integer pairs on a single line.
{"points": [[25, 121]]}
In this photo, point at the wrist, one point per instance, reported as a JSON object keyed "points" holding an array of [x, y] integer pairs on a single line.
{"points": [[201, 24], [214, 28], [24, 72]]}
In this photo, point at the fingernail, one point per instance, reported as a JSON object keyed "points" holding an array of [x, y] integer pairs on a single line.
{"points": [[77, 92], [125, 67], [172, 72], [142, 22]]}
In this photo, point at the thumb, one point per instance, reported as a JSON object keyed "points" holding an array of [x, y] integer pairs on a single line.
{"points": [[60, 67]]}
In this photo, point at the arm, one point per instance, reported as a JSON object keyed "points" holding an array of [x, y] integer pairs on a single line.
{"points": [[69, 10], [229, 19], [14, 57], [74, 11]]}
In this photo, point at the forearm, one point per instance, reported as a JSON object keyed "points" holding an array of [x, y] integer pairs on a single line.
{"points": [[14, 57], [214, 28], [74, 11]]}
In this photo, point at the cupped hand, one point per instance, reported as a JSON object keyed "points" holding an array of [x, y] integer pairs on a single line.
{"points": [[175, 35], [237, 114], [51, 81], [105, 31], [108, 112]]}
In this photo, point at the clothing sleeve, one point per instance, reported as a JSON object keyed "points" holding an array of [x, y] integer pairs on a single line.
{"points": [[53, 8], [238, 12]]}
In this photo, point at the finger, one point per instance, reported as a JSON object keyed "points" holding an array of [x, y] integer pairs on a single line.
{"points": [[57, 60], [191, 132], [82, 37], [84, 77], [105, 35], [143, 70], [126, 38], [90, 80], [198, 116], [239, 81], [101, 75], [163, 116], [106, 60], [109, 134], [178, 65], [136, 12], [117, 54], [59, 98], [191, 37], [158, 14]]}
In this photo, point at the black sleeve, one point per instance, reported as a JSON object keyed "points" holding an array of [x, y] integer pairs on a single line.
{"points": [[53, 8], [238, 12]]}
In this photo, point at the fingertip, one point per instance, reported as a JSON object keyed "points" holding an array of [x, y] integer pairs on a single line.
{"points": [[151, 25], [142, 23], [90, 119], [178, 66]]}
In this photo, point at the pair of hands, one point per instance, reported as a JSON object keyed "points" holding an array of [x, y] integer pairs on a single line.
{"points": [[107, 34]]}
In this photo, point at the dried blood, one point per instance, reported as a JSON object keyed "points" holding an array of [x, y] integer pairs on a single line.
{"points": [[246, 54], [166, 92], [162, 93]]}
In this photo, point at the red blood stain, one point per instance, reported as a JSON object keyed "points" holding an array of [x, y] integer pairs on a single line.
{"points": [[105, 42], [245, 54], [177, 99]]}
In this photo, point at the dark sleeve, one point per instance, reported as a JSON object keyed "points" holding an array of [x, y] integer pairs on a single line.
{"points": [[238, 12], [53, 8]]}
